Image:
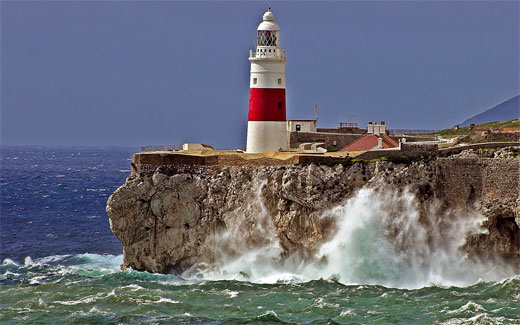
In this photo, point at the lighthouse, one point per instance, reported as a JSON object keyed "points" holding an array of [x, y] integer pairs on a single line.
{"points": [[266, 126]]}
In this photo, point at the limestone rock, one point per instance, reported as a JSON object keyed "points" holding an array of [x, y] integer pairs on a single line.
{"points": [[169, 221]]}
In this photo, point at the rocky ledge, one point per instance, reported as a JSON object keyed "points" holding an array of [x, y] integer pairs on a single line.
{"points": [[170, 219]]}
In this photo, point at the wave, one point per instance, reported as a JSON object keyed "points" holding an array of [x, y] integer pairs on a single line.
{"points": [[56, 268], [79, 267], [45, 290], [381, 239]]}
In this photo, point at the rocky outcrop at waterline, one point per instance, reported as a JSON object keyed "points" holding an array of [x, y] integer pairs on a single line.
{"points": [[172, 218]]}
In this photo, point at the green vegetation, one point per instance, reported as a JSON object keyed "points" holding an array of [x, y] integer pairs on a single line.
{"points": [[465, 130], [503, 124], [379, 159], [516, 152], [396, 160], [465, 139], [448, 132]]}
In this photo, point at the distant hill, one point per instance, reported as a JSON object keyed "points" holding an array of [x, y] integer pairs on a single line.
{"points": [[508, 110]]}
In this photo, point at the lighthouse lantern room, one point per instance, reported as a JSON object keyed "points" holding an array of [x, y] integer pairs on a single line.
{"points": [[266, 127]]}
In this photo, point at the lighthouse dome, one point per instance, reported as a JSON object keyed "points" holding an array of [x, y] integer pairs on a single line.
{"points": [[268, 16], [268, 22]]}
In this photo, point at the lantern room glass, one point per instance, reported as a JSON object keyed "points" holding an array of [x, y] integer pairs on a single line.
{"points": [[267, 38]]}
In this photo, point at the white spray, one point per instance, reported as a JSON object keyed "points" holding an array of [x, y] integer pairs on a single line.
{"points": [[380, 239]]}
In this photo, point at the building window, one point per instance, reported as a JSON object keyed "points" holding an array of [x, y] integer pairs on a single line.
{"points": [[254, 81], [279, 81], [269, 50], [298, 127]]}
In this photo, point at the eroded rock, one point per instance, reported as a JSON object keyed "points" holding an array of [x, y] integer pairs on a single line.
{"points": [[168, 222]]}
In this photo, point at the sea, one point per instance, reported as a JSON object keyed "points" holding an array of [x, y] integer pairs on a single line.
{"points": [[60, 263]]}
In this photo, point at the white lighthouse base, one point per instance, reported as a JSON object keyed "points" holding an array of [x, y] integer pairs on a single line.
{"points": [[266, 136]]}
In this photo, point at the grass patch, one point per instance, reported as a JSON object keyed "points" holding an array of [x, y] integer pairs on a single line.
{"points": [[460, 131], [357, 160], [465, 139], [465, 130], [379, 159], [503, 124], [397, 160]]}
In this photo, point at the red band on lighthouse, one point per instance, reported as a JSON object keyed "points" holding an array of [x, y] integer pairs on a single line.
{"points": [[267, 104]]}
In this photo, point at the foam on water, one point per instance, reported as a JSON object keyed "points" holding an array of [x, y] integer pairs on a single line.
{"points": [[72, 284], [59, 284], [380, 239]]}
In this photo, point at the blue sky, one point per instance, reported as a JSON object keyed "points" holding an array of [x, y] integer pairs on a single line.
{"points": [[164, 72]]}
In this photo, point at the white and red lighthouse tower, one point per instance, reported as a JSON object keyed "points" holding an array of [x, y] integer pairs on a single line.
{"points": [[266, 126]]}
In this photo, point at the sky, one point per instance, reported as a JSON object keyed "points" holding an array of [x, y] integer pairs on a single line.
{"points": [[133, 73]]}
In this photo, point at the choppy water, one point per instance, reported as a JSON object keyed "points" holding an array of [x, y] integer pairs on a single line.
{"points": [[61, 263]]}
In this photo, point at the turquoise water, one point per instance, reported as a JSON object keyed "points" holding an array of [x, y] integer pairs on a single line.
{"points": [[90, 288], [53, 210]]}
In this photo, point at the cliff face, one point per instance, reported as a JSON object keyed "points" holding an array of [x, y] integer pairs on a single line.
{"points": [[170, 220]]}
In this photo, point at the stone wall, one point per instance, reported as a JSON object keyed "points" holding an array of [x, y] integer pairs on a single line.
{"points": [[430, 150], [480, 133], [501, 136], [342, 139], [407, 150], [455, 150], [419, 150], [375, 154], [414, 138], [146, 163]]}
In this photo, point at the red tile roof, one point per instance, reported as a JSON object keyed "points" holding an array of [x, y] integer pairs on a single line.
{"points": [[369, 142]]}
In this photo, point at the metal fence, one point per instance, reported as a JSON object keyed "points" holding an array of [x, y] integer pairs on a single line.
{"points": [[167, 147]]}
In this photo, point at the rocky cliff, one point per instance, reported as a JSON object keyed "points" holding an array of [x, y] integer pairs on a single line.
{"points": [[172, 218]]}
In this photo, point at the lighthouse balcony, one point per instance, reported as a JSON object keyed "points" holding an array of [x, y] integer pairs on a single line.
{"points": [[267, 53], [261, 53]]}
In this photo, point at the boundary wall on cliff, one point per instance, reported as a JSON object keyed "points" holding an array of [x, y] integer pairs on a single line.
{"points": [[340, 140], [147, 163], [430, 150], [455, 150], [407, 150]]}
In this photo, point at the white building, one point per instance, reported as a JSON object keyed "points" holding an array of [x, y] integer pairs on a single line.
{"points": [[302, 126]]}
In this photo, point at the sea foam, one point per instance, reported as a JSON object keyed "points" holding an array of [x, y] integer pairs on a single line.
{"points": [[380, 239]]}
